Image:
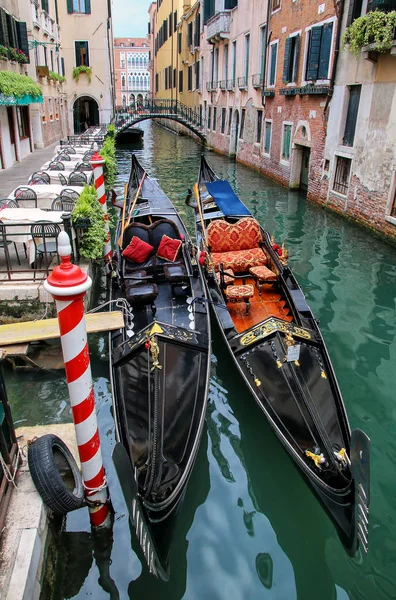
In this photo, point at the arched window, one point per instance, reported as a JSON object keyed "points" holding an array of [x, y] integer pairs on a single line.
{"points": [[129, 81], [123, 82], [133, 82], [124, 101]]}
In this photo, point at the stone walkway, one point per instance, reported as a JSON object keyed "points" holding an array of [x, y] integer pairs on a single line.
{"points": [[19, 173]]}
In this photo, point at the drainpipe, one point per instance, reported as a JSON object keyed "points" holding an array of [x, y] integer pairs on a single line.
{"points": [[336, 55], [173, 35], [267, 39]]}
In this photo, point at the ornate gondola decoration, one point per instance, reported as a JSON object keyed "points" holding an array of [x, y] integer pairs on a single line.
{"points": [[279, 351]]}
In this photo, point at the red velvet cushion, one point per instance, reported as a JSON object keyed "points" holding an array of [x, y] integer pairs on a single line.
{"points": [[137, 250], [168, 248]]}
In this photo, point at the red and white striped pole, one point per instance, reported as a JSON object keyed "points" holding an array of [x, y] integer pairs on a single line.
{"points": [[97, 163], [68, 284]]}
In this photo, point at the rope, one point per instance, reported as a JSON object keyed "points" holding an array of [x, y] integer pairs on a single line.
{"points": [[97, 489], [10, 478]]}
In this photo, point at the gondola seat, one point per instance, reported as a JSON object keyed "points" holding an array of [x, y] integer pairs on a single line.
{"points": [[236, 245], [262, 275], [240, 293], [175, 273], [138, 295]]}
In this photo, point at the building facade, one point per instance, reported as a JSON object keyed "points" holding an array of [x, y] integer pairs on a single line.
{"points": [[359, 172], [87, 43], [132, 75]]}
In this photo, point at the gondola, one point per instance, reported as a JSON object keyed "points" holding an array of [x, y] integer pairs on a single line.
{"points": [[278, 348], [159, 362]]}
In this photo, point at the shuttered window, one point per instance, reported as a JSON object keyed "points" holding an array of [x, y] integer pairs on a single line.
{"points": [[209, 9], [223, 119], [290, 63], [272, 64], [229, 4], [247, 56], [22, 38], [175, 20], [259, 125], [82, 54], [393, 208], [12, 34], [214, 118], [286, 141], [209, 116], [319, 49], [174, 78], [180, 81], [3, 28], [242, 129], [179, 42], [353, 108], [354, 11], [44, 5], [79, 6], [189, 78], [197, 75], [197, 34], [190, 34], [63, 66], [267, 142]]}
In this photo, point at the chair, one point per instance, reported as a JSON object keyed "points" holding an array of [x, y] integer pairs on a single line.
{"points": [[62, 179], [83, 166], [63, 204], [4, 243], [77, 178], [25, 195], [88, 155], [69, 195], [41, 233], [63, 156], [70, 150], [39, 175], [7, 203], [56, 165]]}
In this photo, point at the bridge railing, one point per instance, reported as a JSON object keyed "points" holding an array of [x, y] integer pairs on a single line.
{"points": [[156, 106]]}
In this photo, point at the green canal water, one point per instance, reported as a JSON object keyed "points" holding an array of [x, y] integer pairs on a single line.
{"points": [[249, 527]]}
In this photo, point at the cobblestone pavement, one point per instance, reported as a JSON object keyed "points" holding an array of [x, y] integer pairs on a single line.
{"points": [[19, 173]]}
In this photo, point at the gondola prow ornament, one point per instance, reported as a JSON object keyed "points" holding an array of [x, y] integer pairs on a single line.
{"points": [[68, 285]]}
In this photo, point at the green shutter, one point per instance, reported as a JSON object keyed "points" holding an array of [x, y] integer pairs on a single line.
{"points": [[286, 78], [325, 51], [297, 44], [4, 41], [22, 38], [87, 7], [314, 53], [354, 11], [86, 53], [274, 51], [70, 7]]}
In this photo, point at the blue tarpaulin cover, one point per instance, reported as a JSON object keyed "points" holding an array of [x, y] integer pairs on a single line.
{"points": [[226, 199]]}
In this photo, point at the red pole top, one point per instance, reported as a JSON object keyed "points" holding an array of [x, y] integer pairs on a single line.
{"points": [[97, 160], [66, 279]]}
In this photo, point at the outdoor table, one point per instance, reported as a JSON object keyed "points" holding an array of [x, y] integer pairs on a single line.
{"points": [[46, 193], [26, 217], [55, 179], [79, 149], [70, 165]]}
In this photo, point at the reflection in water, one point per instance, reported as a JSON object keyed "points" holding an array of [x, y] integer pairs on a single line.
{"points": [[249, 527]]}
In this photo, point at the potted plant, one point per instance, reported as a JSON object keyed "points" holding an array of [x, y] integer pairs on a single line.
{"points": [[375, 28], [82, 69]]}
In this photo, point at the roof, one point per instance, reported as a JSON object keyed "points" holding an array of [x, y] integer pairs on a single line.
{"points": [[137, 42]]}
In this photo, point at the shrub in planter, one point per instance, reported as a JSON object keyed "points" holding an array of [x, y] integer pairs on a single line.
{"points": [[82, 69], [87, 207], [373, 28]]}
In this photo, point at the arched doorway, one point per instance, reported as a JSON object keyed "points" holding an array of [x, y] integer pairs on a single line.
{"points": [[234, 134], [85, 113]]}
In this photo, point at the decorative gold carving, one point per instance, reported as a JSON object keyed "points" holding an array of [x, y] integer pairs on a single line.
{"points": [[271, 326]]}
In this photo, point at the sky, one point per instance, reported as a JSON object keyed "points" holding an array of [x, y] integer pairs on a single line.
{"points": [[130, 18]]}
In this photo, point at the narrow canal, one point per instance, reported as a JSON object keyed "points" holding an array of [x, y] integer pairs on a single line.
{"points": [[250, 527]]}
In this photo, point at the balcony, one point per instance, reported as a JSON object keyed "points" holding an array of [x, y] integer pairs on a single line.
{"points": [[222, 85], [211, 86], [230, 85], [257, 81], [218, 27], [242, 83]]}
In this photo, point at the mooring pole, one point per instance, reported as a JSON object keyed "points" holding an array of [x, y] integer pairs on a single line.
{"points": [[68, 284], [97, 163]]}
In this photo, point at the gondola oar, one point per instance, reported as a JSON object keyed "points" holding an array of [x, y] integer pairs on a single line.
{"points": [[126, 477], [125, 225]]}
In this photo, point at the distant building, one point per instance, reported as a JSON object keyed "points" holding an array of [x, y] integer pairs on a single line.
{"points": [[87, 43], [132, 75]]}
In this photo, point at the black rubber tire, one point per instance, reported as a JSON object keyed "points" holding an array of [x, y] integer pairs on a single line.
{"points": [[45, 457]]}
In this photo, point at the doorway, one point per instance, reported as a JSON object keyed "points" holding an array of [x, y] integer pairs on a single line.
{"points": [[304, 168], [234, 134], [85, 113]]}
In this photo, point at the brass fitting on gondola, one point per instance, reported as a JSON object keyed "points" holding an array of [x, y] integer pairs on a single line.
{"points": [[152, 345]]}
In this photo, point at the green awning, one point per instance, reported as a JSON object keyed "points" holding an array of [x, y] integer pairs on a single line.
{"points": [[21, 101]]}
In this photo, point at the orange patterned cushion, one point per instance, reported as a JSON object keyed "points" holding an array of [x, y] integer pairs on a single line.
{"points": [[227, 279], [239, 261], [263, 273], [239, 292], [225, 237]]}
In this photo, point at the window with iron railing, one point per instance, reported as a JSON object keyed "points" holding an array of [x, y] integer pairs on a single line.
{"points": [[341, 177]]}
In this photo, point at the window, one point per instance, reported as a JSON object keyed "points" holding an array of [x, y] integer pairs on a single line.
{"points": [[225, 63], [341, 177], [190, 34], [229, 121], [197, 32], [44, 5], [189, 80], [276, 4], [122, 60], [353, 108], [259, 125], [197, 75], [262, 48], [50, 110], [241, 131], [393, 207], [52, 60], [209, 9], [290, 63], [214, 118], [319, 50], [229, 4], [354, 10], [180, 81], [209, 116], [268, 135], [79, 6], [156, 82], [174, 78], [45, 56], [247, 53], [216, 66], [272, 64], [82, 54], [223, 119], [170, 24], [233, 62], [286, 141], [23, 121], [179, 42], [175, 20]]}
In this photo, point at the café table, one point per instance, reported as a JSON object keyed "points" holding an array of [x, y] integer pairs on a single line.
{"points": [[46, 193], [55, 179], [69, 165]]}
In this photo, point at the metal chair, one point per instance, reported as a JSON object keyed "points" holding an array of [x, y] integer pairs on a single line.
{"points": [[7, 203], [56, 165], [62, 179], [63, 204], [84, 166], [77, 178], [69, 194], [25, 195], [39, 175], [88, 155], [70, 150], [63, 156], [41, 233], [4, 243]]}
